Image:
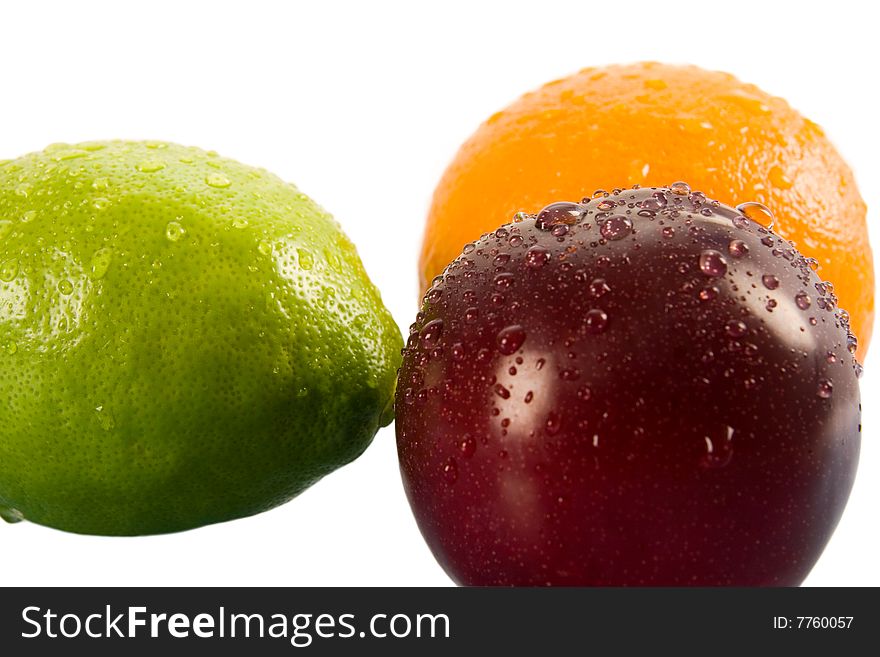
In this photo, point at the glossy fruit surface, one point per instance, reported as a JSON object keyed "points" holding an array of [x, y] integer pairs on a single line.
{"points": [[644, 388], [185, 340], [649, 124]]}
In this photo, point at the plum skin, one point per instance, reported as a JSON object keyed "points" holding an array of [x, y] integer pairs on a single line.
{"points": [[666, 401]]}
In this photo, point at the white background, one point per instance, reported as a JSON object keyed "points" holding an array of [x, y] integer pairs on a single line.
{"points": [[363, 104]]}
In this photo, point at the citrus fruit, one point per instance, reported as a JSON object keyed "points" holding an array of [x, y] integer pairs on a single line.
{"points": [[650, 124], [184, 340], [532, 455]]}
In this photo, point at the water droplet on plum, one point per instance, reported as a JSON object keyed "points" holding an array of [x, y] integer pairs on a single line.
{"points": [[467, 446], [680, 188], [537, 256], [596, 321], [758, 213], [736, 328], [712, 263], [616, 227], [555, 214], [430, 334], [770, 281], [719, 448], [599, 288], [510, 339], [450, 471]]}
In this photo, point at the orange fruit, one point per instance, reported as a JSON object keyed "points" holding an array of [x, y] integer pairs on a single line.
{"points": [[652, 124]]}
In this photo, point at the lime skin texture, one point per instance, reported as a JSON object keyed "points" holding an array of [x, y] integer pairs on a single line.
{"points": [[184, 340]]}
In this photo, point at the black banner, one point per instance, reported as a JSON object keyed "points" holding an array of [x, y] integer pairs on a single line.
{"points": [[337, 621]]}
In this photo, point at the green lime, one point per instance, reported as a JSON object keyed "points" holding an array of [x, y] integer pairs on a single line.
{"points": [[183, 340]]}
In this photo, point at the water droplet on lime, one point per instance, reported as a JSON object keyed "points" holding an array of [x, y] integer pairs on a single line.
{"points": [[105, 418], [151, 166], [174, 231], [306, 259], [100, 263], [11, 515], [217, 180], [9, 270]]}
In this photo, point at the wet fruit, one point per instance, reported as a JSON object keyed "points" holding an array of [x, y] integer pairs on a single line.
{"points": [[648, 124], [644, 388], [185, 340]]}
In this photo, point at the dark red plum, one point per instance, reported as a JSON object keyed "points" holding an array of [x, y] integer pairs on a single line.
{"points": [[645, 388]]}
